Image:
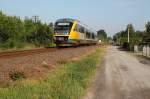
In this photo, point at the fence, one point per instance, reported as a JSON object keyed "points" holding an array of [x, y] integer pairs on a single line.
{"points": [[143, 49], [146, 50]]}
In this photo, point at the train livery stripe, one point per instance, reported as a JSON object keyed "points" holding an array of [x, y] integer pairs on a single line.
{"points": [[74, 34]]}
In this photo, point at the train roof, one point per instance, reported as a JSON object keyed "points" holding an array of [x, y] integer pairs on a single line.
{"points": [[67, 20]]}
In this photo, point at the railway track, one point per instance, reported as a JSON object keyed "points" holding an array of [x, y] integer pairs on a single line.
{"points": [[16, 53]]}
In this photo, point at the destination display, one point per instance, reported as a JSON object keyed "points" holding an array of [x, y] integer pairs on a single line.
{"points": [[62, 24]]}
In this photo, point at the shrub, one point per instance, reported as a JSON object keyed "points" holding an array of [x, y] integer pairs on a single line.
{"points": [[17, 75]]}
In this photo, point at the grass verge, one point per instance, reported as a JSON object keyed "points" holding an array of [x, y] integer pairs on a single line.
{"points": [[67, 82]]}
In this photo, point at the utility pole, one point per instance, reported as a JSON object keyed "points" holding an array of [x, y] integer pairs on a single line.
{"points": [[128, 33], [35, 18]]}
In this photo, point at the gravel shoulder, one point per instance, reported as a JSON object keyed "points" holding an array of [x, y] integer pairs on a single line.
{"points": [[33, 66], [121, 76]]}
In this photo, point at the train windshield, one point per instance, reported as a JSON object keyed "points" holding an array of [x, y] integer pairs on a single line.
{"points": [[63, 28]]}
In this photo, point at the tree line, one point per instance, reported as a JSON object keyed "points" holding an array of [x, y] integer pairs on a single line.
{"points": [[135, 37], [102, 35], [17, 33]]}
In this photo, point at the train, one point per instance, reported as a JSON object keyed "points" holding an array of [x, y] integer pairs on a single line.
{"points": [[71, 32]]}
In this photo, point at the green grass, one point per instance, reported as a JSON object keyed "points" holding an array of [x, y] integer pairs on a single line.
{"points": [[69, 81]]}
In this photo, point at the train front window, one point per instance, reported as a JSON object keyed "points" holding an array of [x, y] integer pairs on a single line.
{"points": [[63, 28]]}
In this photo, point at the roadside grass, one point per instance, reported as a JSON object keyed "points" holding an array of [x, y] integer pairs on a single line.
{"points": [[69, 81]]}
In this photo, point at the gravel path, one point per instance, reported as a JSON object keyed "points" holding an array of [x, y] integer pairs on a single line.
{"points": [[121, 76], [32, 65]]}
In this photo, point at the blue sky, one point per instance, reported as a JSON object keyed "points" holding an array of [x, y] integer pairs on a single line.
{"points": [[111, 15]]}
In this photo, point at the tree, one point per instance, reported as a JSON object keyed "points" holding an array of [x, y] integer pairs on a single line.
{"points": [[30, 30], [131, 30], [15, 33], [148, 28], [147, 33], [51, 24], [102, 35], [121, 37]]}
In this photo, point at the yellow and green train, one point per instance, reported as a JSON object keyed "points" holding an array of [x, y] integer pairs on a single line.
{"points": [[71, 32]]}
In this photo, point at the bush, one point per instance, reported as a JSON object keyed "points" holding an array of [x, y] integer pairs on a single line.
{"points": [[16, 75], [126, 45]]}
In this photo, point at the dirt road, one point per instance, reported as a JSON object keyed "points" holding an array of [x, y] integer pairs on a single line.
{"points": [[121, 76]]}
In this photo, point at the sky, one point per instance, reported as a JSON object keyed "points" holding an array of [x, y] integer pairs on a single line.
{"points": [[110, 15]]}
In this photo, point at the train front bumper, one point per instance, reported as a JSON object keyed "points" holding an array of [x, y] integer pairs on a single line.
{"points": [[64, 40]]}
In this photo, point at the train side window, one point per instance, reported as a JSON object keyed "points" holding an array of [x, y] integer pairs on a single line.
{"points": [[79, 28], [76, 29], [93, 36], [88, 34]]}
